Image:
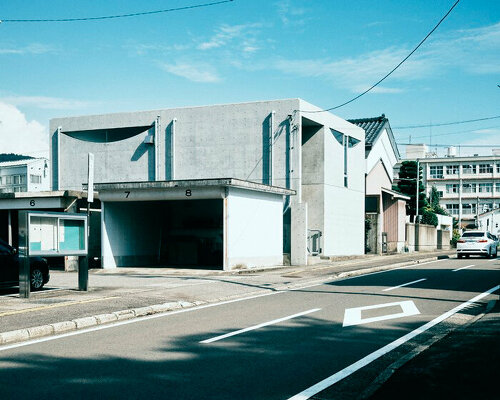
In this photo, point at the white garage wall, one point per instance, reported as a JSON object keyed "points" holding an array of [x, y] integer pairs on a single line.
{"points": [[126, 239], [254, 229]]}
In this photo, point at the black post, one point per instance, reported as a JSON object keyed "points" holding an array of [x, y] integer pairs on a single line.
{"points": [[83, 273], [24, 257]]}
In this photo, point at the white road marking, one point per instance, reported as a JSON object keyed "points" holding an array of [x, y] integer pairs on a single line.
{"points": [[352, 316], [392, 269], [467, 266], [331, 380], [251, 328], [404, 284]]}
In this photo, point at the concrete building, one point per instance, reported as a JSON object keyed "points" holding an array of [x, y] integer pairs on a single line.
{"points": [[385, 208], [312, 160], [30, 175], [490, 221], [467, 186]]}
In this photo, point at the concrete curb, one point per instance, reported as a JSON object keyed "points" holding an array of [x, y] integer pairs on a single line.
{"points": [[25, 334]]}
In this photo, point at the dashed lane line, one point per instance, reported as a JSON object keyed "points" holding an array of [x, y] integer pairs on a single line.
{"points": [[467, 266], [68, 303], [404, 284], [262, 325]]}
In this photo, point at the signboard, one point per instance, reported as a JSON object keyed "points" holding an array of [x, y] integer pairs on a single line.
{"points": [[57, 234], [51, 234], [90, 179]]}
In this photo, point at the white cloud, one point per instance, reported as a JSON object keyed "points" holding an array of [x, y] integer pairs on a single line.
{"points": [[18, 135], [290, 14], [196, 73], [360, 72], [33, 48], [44, 102], [225, 34]]}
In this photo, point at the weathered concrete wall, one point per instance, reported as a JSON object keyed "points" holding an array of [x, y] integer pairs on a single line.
{"points": [[299, 234], [443, 239], [254, 227], [421, 237]]}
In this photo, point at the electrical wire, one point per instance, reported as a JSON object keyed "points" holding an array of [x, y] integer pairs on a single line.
{"points": [[119, 15], [454, 133], [455, 145], [394, 69], [445, 123]]}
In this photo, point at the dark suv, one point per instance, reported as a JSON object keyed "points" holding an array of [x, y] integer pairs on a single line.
{"points": [[9, 268]]}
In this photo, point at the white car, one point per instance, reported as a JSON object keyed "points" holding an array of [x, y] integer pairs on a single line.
{"points": [[478, 243]]}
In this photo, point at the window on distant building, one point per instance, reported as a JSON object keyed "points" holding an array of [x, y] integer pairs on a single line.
{"points": [[436, 171], [485, 187], [35, 178], [22, 179], [452, 188], [469, 169], [498, 168], [8, 180], [468, 208], [485, 207], [485, 168], [452, 169], [452, 209], [469, 188], [497, 187], [440, 193]]}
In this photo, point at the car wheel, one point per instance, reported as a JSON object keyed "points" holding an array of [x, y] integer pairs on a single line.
{"points": [[36, 279]]}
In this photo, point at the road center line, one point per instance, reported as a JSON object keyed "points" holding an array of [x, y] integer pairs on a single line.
{"points": [[404, 284], [251, 328], [467, 266], [331, 380]]}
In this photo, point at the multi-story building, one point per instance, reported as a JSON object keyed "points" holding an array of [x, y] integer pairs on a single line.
{"points": [[29, 175], [467, 186]]}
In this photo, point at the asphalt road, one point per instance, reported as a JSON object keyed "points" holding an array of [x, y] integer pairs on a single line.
{"points": [[281, 345]]}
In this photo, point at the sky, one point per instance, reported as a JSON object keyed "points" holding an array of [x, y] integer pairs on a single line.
{"points": [[323, 51]]}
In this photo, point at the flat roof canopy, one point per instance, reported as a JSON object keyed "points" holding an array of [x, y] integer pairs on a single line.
{"points": [[181, 189], [39, 200]]}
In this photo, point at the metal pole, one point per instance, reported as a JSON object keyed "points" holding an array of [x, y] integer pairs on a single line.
{"points": [[23, 256], [418, 184]]}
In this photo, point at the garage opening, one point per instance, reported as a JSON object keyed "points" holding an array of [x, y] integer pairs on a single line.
{"points": [[166, 233]]}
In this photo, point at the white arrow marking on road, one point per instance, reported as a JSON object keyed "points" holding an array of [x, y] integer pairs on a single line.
{"points": [[404, 284], [467, 266], [352, 316], [251, 328]]}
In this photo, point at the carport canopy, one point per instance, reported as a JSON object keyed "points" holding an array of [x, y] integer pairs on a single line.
{"points": [[216, 223]]}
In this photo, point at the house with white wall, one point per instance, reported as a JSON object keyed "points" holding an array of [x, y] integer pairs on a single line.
{"points": [[27, 175], [385, 208], [180, 172]]}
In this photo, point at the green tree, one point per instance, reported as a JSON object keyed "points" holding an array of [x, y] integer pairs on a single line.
{"points": [[429, 217], [407, 185], [434, 205]]}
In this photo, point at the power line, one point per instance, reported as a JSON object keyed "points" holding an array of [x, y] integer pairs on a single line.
{"points": [[119, 15], [455, 145], [445, 123], [394, 69], [453, 133]]}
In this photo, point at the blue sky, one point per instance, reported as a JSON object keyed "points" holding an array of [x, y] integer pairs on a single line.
{"points": [[323, 51]]}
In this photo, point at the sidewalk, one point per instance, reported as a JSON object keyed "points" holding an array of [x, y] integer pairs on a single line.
{"points": [[132, 292]]}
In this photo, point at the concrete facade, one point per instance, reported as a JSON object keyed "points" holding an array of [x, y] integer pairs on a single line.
{"points": [[285, 143]]}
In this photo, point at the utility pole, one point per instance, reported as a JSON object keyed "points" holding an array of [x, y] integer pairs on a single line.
{"points": [[418, 184]]}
